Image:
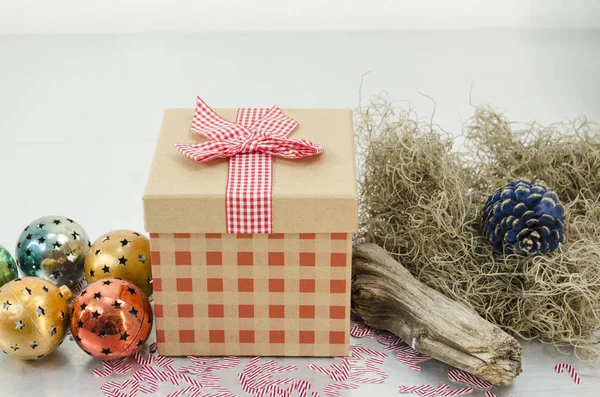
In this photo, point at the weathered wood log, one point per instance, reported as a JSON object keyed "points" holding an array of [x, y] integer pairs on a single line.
{"points": [[386, 296]]}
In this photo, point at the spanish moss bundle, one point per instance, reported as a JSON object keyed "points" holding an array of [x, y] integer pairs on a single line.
{"points": [[421, 200]]}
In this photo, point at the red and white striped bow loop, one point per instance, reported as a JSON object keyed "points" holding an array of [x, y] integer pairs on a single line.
{"points": [[250, 143]]}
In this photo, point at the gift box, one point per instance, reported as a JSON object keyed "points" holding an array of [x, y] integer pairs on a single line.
{"points": [[251, 242]]}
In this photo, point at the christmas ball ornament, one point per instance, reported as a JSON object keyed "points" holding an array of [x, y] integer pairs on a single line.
{"points": [[111, 318], [8, 267], [120, 254], [524, 218], [53, 248], [34, 317]]}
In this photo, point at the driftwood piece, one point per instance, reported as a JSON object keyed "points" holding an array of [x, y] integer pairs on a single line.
{"points": [[386, 296]]}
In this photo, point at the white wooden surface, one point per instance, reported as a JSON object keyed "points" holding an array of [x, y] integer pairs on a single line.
{"points": [[79, 115]]}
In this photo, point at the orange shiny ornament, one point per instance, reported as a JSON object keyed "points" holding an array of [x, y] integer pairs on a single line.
{"points": [[111, 318], [121, 254], [34, 317]]}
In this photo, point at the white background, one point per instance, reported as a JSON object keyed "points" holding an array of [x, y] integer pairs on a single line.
{"points": [[26, 16]]}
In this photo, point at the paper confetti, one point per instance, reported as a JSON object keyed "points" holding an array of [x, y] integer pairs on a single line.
{"points": [[559, 368], [456, 375]]}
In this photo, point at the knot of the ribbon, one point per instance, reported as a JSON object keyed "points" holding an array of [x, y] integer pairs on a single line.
{"points": [[267, 134], [250, 143]]}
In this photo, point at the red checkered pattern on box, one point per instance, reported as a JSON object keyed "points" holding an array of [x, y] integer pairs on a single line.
{"points": [[257, 294], [249, 143]]}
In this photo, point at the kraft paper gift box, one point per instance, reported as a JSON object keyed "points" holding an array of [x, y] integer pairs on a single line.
{"points": [[286, 293]]}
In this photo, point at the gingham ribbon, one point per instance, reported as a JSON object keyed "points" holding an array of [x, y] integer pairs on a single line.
{"points": [[250, 144]]}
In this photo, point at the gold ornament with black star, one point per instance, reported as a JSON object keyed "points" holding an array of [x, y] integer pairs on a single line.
{"points": [[112, 318], [121, 254], [34, 317]]}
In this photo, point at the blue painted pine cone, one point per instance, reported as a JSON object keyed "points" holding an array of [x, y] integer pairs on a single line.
{"points": [[524, 218]]}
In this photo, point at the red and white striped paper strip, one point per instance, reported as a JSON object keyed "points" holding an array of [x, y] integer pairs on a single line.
{"points": [[559, 368], [430, 391], [215, 387], [223, 394], [191, 391], [204, 368], [490, 394], [119, 366], [358, 352], [456, 392], [164, 362], [360, 330], [148, 383], [148, 377], [333, 390], [459, 376], [408, 356], [143, 359], [372, 367], [302, 386], [194, 390], [350, 374], [257, 379], [267, 382], [422, 390], [349, 371], [115, 389], [337, 373], [175, 379], [204, 364], [162, 376]]}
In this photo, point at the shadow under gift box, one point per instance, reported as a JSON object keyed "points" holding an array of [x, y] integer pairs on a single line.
{"points": [[281, 294]]}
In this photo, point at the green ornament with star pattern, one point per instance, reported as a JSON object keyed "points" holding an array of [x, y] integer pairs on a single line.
{"points": [[53, 248], [8, 267]]}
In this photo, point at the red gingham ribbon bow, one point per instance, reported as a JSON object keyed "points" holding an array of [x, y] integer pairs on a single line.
{"points": [[249, 143]]}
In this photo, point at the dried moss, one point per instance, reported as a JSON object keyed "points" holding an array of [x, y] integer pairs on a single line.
{"points": [[421, 200]]}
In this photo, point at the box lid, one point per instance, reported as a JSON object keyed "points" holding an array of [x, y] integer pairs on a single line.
{"points": [[310, 195]]}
